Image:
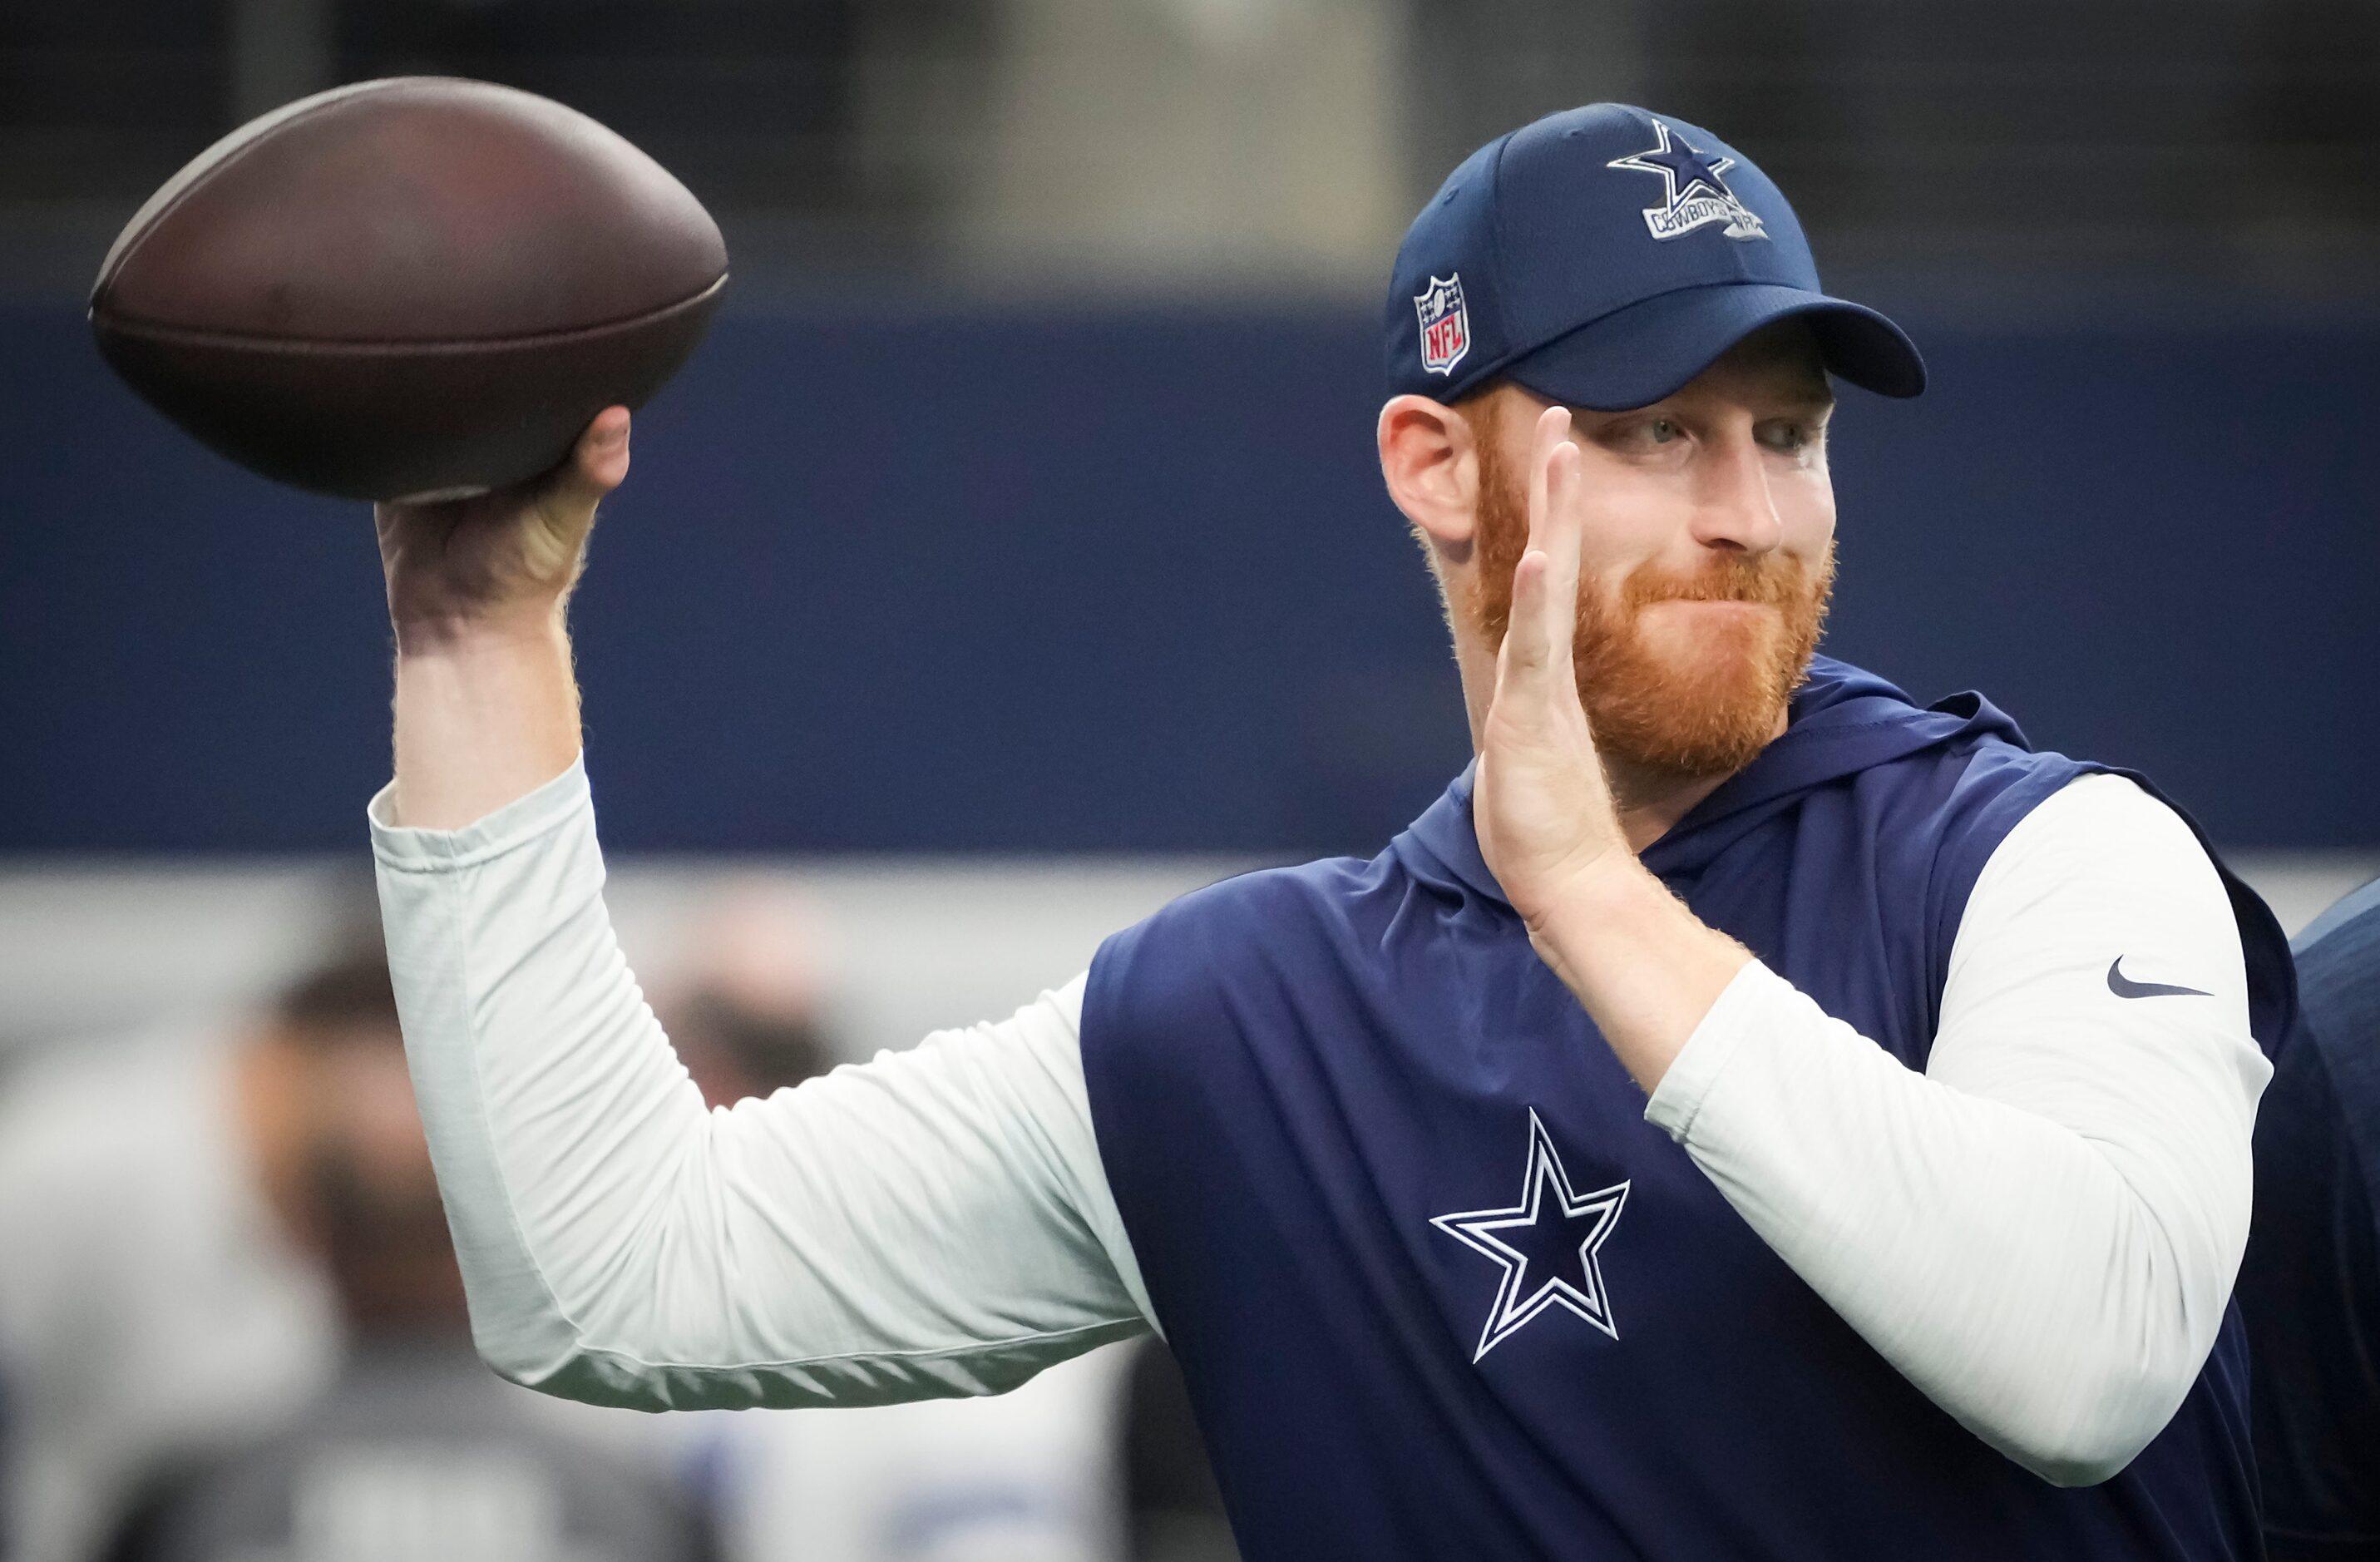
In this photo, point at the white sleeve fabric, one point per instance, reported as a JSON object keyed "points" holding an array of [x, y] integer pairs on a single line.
{"points": [[934, 1222], [2042, 1230]]}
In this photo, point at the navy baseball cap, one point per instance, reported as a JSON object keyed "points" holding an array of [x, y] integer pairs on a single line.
{"points": [[1603, 257]]}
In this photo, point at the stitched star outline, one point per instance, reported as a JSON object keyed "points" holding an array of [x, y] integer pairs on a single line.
{"points": [[1698, 195], [1520, 1297], [1672, 160]]}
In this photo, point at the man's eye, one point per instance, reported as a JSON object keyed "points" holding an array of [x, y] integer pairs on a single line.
{"points": [[1787, 436], [1660, 431]]}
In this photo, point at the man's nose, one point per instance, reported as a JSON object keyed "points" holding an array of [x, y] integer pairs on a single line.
{"points": [[1734, 507]]}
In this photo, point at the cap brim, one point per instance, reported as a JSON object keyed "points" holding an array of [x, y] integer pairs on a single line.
{"points": [[1635, 356]]}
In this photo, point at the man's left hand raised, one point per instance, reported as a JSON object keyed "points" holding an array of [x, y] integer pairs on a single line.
{"points": [[1644, 966]]}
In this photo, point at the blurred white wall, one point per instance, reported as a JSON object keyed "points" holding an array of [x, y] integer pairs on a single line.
{"points": [[910, 945]]}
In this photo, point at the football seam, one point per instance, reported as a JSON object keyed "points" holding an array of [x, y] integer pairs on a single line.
{"points": [[384, 346], [336, 98]]}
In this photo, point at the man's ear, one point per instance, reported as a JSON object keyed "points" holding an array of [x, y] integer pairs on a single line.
{"points": [[1429, 457]]}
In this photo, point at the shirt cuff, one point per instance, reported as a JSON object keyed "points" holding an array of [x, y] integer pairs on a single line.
{"points": [[1744, 1005], [407, 849]]}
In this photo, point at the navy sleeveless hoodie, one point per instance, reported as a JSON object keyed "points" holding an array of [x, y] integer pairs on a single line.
{"points": [[1440, 1291]]}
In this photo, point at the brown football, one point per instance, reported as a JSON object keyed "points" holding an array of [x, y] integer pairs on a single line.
{"points": [[405, 288]]}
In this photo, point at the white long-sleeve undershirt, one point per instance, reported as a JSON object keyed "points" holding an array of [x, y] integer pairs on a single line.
{"points": [[2040, 1231]]}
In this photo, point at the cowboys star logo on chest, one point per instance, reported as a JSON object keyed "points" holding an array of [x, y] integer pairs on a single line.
{"points": [[1549, 1246]]}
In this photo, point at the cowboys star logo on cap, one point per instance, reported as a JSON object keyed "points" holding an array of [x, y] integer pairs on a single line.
{"points": [[1445, 324], [1697, 195]]}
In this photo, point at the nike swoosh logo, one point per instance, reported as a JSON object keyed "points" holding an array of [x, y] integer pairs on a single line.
{"points": [[2125, 987]]}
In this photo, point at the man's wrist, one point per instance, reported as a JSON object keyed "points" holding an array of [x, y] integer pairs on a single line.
{"points": [[487, 711], [1612, 887], [491, 630], [1645, 968], [1610, 895]]}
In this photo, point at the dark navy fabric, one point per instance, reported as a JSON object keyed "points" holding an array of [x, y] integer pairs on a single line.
{"points": [[1293, 1074], [2310, 1286]]}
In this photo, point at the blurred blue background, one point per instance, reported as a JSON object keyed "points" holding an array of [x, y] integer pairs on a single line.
{"points": [[1023, 577], [1023, 499]]}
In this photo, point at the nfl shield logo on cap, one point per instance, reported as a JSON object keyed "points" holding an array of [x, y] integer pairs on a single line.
{"points": [[1445, 324]]}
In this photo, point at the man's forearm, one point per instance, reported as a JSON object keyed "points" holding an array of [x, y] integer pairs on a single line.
{"points": [[935, 1222], [2040, 1229], [1999, 1261], [485, 713], [486, 708]]}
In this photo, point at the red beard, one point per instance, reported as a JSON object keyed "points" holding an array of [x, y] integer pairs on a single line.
{"points": [[1708, 712]]}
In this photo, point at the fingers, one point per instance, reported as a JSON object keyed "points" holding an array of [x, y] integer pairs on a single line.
{"points": [[598, 464], [1527, 647], [1544, 584], [1553, 424], [1558, 533]]}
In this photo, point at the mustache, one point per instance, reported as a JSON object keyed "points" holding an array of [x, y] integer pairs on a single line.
{"points": [[1768, 580]]}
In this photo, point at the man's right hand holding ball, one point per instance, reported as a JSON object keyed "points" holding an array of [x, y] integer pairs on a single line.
{"points": [[487, 710]]}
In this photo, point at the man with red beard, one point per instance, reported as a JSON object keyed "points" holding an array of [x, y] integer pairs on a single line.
{"points": [[1747, 1116]]}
